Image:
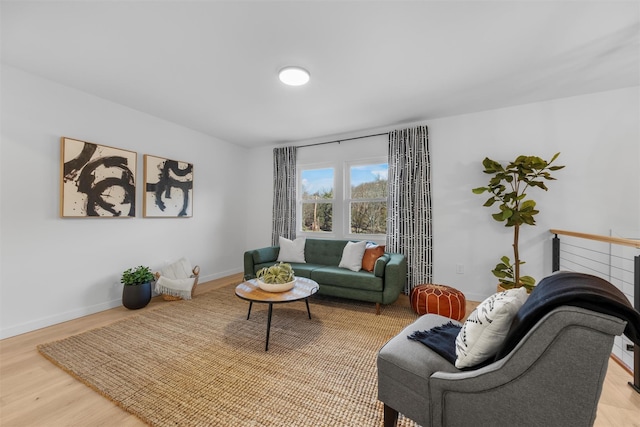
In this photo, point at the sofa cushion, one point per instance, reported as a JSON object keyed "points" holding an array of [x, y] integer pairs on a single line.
{"points": [[406, 364], [304, 270], [299, 269], [352, 255], [337, 276], [324, 252], [371, 255], [291, 250]]}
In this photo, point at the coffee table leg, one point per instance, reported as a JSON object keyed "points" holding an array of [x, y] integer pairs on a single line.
{"points": [[308, 311], [249, 312], [266, 347]]}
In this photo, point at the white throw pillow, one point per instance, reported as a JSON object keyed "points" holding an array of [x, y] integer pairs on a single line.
{"points": [[486, 327], [292, 250], [352, 255]]}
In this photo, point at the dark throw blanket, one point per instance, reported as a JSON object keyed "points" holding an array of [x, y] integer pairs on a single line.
{"points": [[573, 289], [441, 339]]}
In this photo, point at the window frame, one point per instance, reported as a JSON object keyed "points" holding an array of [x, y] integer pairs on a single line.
{"points": [[341, 219], [347, 199], [300, 201]]}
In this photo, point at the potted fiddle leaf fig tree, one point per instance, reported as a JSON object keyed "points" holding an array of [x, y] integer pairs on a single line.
{"points": [[136, 292], [508, 186]]}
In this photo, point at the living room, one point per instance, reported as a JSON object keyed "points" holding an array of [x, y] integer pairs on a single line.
{"points": [[57, 269]]}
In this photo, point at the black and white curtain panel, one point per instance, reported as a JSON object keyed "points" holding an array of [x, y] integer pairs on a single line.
{"points": [[284, 194], [409, 229]]}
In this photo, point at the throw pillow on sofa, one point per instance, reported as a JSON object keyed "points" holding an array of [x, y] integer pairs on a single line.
{"points": [[352, 255], [371, 255], [292, 250], [487, 326]]}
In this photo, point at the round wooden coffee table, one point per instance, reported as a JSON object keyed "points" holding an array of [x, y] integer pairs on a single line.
{"points": [[250, 291]]}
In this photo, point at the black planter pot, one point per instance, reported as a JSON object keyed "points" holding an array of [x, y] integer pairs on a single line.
{"points": [[136, 296]]}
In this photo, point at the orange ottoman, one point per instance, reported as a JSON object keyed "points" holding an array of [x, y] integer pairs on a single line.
{"points": [[438, 299]]}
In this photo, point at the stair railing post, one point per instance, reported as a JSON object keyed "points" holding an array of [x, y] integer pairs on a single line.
{"points": [[555, 262]]}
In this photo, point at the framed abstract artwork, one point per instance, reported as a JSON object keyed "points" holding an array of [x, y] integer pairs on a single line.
{"points": [[168, 188], [96, 181]]}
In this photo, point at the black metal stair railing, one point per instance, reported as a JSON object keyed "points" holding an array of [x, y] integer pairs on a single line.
{"points": [[578, 256]]}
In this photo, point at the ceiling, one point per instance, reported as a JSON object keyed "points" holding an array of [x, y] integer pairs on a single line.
{"points": [[212, 66]]}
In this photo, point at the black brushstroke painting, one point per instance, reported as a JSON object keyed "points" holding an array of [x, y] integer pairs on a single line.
{"points": [[166, 184], [99, 179]]}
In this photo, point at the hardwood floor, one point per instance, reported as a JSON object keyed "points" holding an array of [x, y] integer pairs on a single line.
{"points": [[34, 392]]}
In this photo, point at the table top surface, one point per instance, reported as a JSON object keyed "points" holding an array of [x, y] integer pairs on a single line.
{"points": [[303, 288]]}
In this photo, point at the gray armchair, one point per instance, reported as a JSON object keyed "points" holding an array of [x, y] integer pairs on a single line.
{"points": [[552, 377]]}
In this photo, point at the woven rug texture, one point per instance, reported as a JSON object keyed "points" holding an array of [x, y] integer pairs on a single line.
{"points": [[202, 363]]}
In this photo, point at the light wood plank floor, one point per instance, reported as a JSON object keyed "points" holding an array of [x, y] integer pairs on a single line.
{"points": [[34, 392]]}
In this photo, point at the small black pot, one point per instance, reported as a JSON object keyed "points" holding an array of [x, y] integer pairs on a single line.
{"points": [[136, 296]]}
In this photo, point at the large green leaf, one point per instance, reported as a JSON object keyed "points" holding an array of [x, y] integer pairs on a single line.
{"points": [[527, 280], [490, 201], [479, 190]]}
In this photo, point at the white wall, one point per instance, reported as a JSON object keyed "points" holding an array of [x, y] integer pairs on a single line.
{"points": [[599, 140], [55, 269]]}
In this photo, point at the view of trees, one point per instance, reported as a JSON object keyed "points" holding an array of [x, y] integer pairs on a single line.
{"points": [[317, 215], [367, 199], [369, 216]]}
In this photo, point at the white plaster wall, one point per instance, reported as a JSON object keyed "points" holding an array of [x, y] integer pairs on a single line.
{"points": [[259, 193], [599, 140], [54, 269]]}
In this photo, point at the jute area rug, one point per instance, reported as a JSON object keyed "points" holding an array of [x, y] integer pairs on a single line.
{"points": [[202, 363]]}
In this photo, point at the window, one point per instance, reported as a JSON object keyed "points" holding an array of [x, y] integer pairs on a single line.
{"points": [[343, 201], [317, 199], [367, 198]]}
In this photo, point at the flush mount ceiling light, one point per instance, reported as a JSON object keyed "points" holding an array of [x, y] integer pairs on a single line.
{"points": [[294, 76]]}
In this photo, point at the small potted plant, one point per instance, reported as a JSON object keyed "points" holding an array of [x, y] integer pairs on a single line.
{"points": [[136, 292], [508, 187], [277, 278]]}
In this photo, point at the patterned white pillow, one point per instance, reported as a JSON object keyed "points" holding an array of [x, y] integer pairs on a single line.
{"points": [[292, 250], [486, 327]]}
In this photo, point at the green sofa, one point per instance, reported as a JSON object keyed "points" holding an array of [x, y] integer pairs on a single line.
{"points": [[322, 256]]}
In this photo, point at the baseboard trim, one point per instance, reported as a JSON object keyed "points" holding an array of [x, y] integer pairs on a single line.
{"points": [[44, 322]]}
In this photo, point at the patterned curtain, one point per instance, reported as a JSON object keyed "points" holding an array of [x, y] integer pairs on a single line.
{"points": [[409, 203], [284, 194]]}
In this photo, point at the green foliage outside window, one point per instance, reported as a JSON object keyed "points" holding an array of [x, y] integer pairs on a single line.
{"points": [[317, 211], [367, 199], [369, 216]]}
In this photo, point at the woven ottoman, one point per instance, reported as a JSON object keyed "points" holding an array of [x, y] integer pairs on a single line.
{"points": [[438, 299]]}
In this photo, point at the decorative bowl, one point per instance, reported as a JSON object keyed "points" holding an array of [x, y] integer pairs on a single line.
{"points": [[276, 287]]}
